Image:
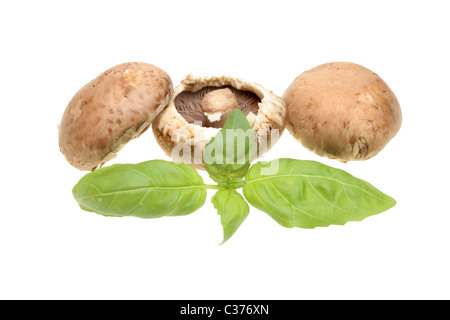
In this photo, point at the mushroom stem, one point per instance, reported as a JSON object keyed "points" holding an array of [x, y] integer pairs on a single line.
{"points": [[217, 106]]}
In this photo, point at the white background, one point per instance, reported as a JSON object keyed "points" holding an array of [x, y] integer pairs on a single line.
{"points": [[49, 248]]}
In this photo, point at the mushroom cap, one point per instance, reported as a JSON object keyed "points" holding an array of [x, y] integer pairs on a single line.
{"points": [[185, 140], [342, 111], [111, 110]]}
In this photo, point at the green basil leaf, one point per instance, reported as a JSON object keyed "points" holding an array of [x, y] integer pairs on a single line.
{"points": [[230, 152], [233, 210], [308, 194], [149, 189], [231, 183]]}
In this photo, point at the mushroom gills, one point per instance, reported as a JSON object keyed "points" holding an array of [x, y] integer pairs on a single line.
{"points": [[212, 105]]}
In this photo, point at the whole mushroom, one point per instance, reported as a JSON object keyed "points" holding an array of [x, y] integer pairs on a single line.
{"points": [[111, 110], [342, 111], [200, 106]]}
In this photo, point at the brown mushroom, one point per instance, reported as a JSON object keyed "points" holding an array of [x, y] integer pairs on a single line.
{"points": [[342, 111], [111, 110], [199, 108]]}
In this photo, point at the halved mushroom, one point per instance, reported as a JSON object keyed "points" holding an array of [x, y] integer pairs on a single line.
{"points": [[200, 106], [111, 110]]}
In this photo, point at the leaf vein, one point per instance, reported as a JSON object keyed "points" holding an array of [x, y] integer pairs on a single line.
{"points": [[294, 206], [325, 199], [138, 203], [316, 177], [140, 189]]}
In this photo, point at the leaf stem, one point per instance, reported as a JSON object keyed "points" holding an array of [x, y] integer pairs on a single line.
{"points": [[212, 186]]}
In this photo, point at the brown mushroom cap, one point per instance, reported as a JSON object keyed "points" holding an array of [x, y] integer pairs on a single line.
{"points": [[109, 111], [342, 111], [182, 129]]}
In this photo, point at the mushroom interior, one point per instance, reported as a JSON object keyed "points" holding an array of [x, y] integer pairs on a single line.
{"points": [[188, 103]]}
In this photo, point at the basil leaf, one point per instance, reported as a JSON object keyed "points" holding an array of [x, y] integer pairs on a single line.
{"points": [[308, 194], [230, 152], [233, 210], [231, 183], [149, 189]]}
